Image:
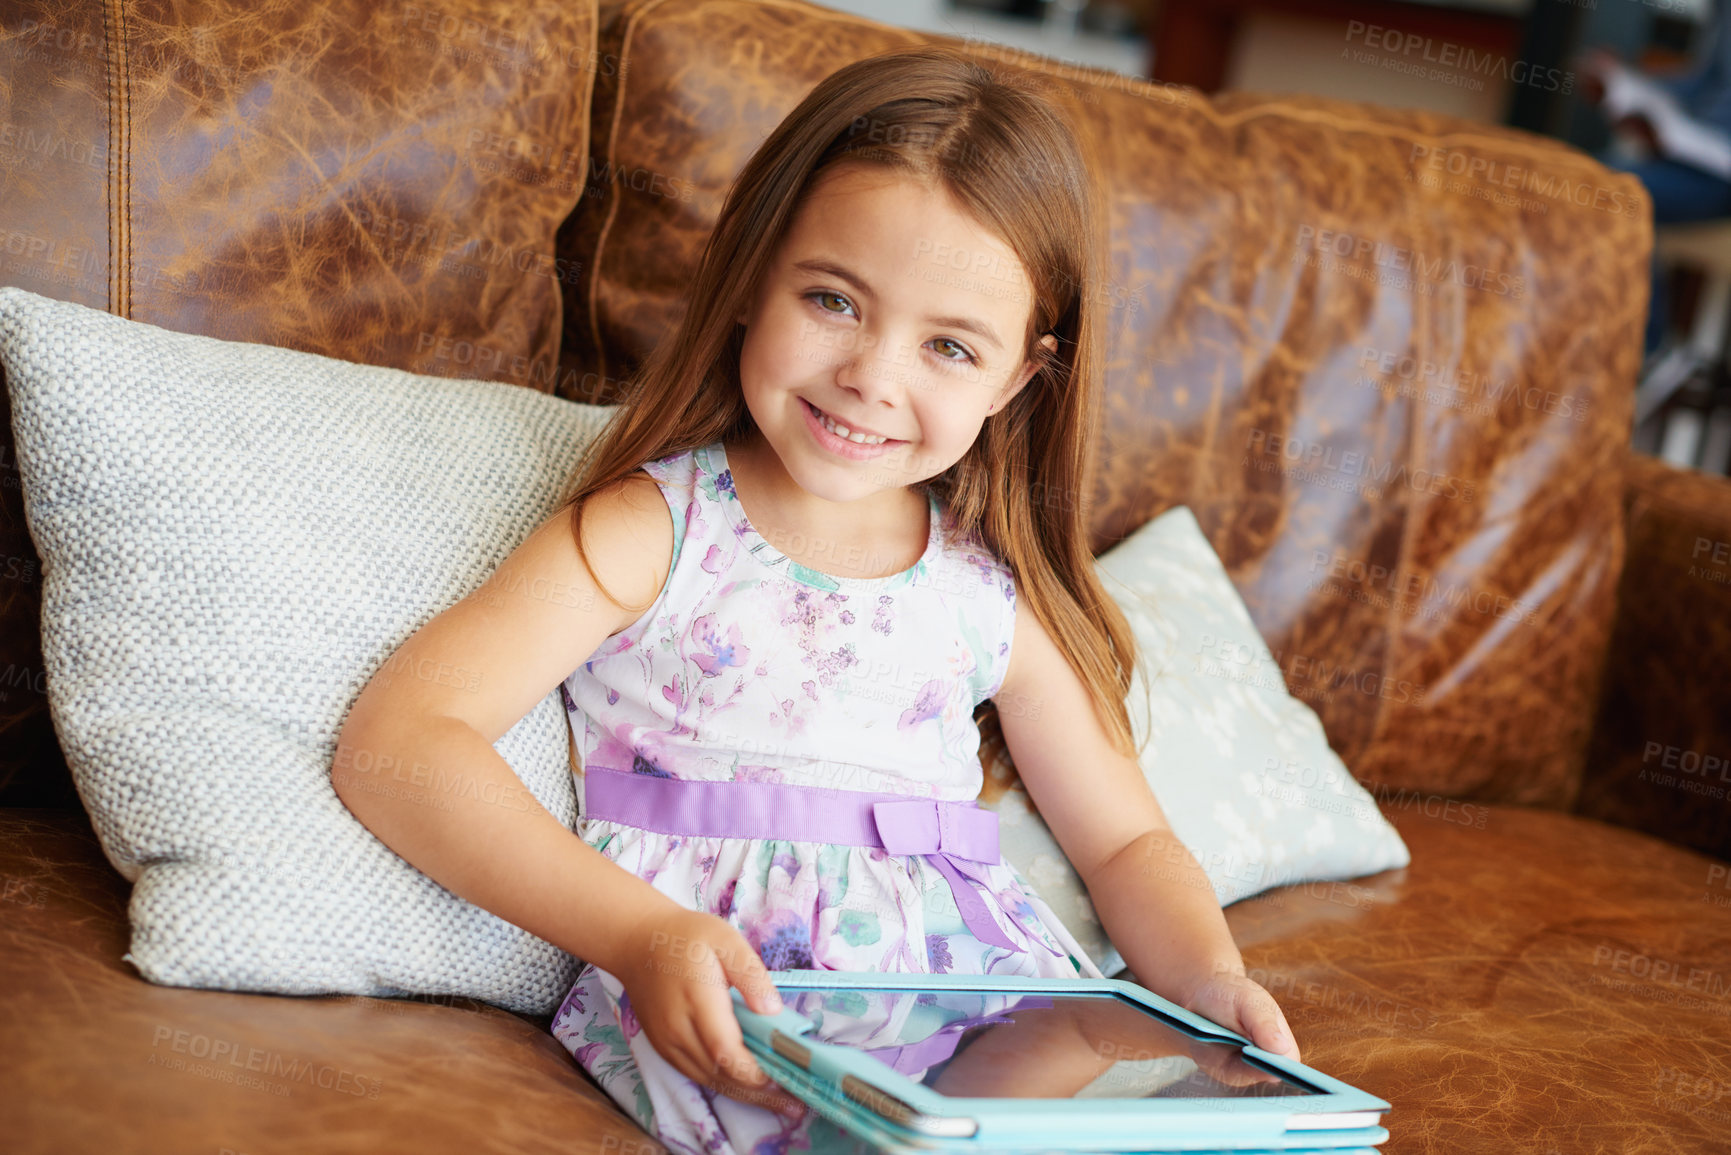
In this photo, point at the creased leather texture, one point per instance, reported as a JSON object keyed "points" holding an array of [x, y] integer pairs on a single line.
{"points": [[1504, 991], [1499, 992], [380, 183], [1661, 754], [98, 1060], [1435, 574]]}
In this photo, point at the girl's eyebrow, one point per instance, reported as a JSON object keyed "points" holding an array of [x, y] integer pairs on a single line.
{"points": [[980, 329]]}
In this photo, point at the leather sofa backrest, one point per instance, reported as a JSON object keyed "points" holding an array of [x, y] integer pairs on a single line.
{"points": [[1386, 357], [379, 183], [369, 182]]}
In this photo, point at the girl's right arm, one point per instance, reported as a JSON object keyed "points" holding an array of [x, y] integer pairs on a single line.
{"points": [[415, 759], [415, 763]]}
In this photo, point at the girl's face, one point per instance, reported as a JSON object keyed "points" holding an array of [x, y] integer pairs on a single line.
{"points": [[891, 312]]}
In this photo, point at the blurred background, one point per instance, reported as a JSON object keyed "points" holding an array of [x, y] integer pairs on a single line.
{"points": [[1668, 120]]}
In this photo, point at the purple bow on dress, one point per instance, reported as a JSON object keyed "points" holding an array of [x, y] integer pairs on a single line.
{"points": [[953, 836], [958, 838]]}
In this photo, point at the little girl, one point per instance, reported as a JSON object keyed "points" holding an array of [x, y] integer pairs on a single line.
{"points": [[835, 514]]}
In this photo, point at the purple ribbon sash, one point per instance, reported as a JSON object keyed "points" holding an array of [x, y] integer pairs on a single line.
{"points": [[958, 838]]}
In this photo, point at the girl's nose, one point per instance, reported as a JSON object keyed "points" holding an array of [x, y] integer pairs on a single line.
{"points": [[876, 371]]}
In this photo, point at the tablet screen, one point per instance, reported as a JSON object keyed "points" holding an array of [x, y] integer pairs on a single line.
{"points": [[998, 1044]]}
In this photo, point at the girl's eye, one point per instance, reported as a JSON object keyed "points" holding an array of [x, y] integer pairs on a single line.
{"points": [[820, 294], [966, 356]]}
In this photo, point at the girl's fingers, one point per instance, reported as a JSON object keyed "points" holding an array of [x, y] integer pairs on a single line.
{"points": [[718, 1033], [738, 1075], [740, 1084], [1268, 1028], [1249, 1009], [684, 1052], [704, 1042], [1271, 1027], [745, 970]]}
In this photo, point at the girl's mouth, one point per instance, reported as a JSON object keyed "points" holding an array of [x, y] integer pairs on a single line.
{"points": [[822, 428]]}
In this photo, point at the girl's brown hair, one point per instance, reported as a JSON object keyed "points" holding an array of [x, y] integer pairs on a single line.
{"points": [[1009, 158]]}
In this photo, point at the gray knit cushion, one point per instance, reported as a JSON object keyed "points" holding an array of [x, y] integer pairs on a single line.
{"points": [[234, 537]]}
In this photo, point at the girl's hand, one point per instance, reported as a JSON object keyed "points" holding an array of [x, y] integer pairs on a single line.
{"points": [[1237, 1003], [678, 980]]}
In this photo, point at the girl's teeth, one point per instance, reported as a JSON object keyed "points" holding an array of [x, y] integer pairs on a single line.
{"points": [[845, 433]]}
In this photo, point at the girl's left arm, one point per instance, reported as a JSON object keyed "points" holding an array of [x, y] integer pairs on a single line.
{"points": [[1153, 899]]}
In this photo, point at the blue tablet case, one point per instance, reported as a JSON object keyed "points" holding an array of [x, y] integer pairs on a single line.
{"points": [[872, 1100]]}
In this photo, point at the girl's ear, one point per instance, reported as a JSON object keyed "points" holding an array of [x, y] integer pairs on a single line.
{"points": [[1023, 375]]}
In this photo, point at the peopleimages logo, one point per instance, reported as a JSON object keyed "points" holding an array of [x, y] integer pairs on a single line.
{"points": [[1332, 250], [1412, 591], [1449, 55], [38, 145], [235, 1062], [1454, 387], [1499, 174], [1316, 462]]}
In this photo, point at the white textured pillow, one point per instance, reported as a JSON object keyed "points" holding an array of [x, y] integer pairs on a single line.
{"points": [[1241, 767], [234, 538]]}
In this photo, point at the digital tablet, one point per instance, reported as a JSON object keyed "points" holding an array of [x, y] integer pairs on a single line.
{"points": [[984, 1063]]}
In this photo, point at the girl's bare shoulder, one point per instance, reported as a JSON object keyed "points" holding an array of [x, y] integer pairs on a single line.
{"points": [[628, 540], [627, 530], [538, 616]]}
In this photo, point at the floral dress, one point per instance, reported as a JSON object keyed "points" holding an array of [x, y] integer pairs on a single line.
{"points": [[750, 667]]}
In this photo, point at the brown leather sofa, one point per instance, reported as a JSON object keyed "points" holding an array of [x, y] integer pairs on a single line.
{"points": [[1516, 633]]}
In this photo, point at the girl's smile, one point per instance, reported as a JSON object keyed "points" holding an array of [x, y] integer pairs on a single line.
{"points": [[823, 425]]}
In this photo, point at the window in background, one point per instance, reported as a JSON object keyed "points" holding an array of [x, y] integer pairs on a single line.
{"points": [[1683, 404]]}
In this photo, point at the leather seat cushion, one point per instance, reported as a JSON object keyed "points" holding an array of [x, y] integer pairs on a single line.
{"points": [[1544, 983]]}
